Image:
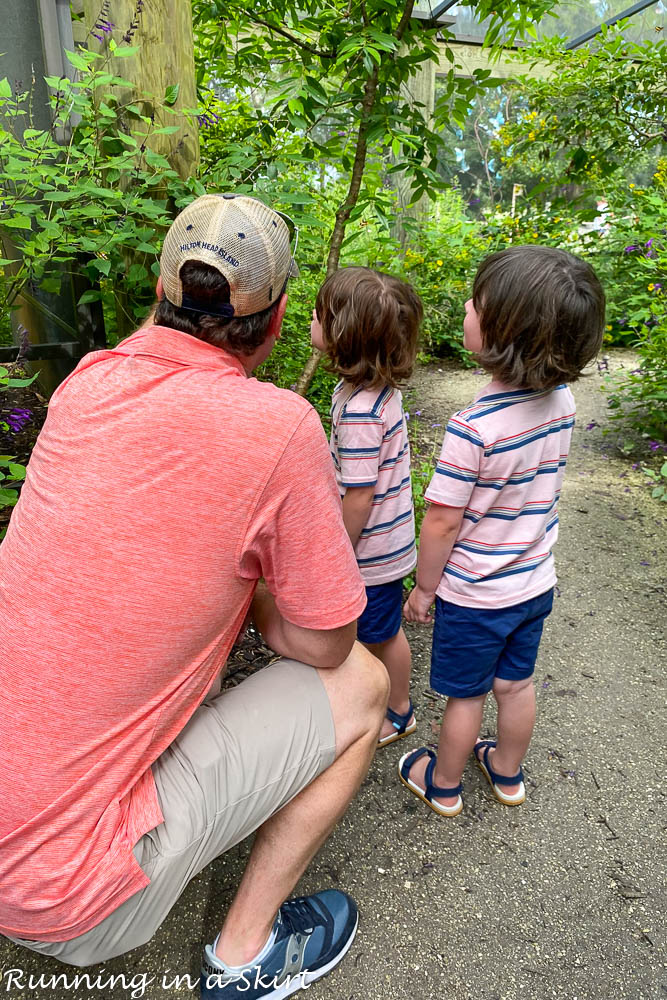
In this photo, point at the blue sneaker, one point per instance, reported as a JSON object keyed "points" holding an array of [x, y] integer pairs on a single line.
{"points": [[310, 936]]}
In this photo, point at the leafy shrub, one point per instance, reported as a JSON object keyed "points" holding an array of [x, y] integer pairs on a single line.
{"points": [[440, 261], [102, 201]]}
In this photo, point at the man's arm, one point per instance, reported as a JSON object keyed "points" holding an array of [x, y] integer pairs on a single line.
{"points": [[357, 504], [325, 648], [439, 531]]}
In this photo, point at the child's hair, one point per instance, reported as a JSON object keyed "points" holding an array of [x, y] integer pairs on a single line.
{"points": [[370, 324], [541, 316]]}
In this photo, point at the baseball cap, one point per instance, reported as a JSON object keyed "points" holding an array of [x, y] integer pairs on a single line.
{"points": [[243, 239]]}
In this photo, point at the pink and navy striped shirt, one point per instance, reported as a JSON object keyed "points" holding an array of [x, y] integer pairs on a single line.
{"points": [[369, 446], [503, 459]]}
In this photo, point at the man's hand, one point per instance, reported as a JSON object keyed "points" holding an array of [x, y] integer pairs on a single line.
{"points": [[418, 605]]}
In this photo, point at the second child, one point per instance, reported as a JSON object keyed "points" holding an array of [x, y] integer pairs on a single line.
{"points": [[368, 323], [535, 320]]}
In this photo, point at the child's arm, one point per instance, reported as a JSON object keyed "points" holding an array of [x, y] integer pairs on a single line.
{"points": [[439, 531], [357, 504]]}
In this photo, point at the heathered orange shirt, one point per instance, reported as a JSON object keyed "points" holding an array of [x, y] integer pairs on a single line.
{"points": [[163, 485]]}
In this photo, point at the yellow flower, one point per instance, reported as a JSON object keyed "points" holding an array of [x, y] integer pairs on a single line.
{"points": [[608, 327], [651, 287], [630, 185], [531, 136], [535, 235], [438, 263]]}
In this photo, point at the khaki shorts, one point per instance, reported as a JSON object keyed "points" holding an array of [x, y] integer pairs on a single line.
{"points": [[242, 756]]}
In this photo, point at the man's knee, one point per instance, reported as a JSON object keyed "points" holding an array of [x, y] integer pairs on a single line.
{"points": [[358, 693], [503, 688], [369, 676]]}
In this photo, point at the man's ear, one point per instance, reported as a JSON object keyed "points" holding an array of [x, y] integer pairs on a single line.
{"points": [[277, 318], [159, 290]]}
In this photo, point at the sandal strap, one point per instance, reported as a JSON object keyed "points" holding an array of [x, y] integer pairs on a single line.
{"points": [[412, 757], [498, 779], [432, 790], [398, 721]]}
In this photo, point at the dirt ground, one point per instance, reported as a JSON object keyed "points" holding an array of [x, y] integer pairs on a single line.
{"points": [[563, 897]]}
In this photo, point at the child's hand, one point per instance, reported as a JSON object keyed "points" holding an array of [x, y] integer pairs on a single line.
{"points": [[417, 606]]}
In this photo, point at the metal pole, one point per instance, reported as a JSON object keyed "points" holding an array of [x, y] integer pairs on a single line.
{"points": [[592, 32]]}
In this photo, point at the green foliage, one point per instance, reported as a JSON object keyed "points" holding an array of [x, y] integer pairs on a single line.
{"points": [[658, 481], [15, 471], [327, 89], [441, 264], [590, 135], [596, 108], [104, 197]]}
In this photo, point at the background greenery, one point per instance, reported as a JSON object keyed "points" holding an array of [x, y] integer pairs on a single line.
{"points": [[574, 159]]}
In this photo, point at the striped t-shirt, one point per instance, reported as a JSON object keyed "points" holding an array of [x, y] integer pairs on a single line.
{"points": [[369, 445], [503, 459]]}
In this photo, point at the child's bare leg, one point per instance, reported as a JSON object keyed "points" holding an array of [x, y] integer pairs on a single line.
{"points": [[396, 656], [458, 733], [516, 720]]}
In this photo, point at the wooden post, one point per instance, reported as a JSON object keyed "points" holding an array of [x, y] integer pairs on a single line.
{"points": [[163, 31]]}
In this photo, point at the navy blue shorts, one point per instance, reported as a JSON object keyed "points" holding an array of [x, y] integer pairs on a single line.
{"points": [[473, 646], [381, 618]]}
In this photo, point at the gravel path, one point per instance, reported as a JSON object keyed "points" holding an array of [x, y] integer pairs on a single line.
{"points": [[564, 897]]}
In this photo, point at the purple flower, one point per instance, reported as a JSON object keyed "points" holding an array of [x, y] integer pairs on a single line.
{"points": [[654, 445], [630, 248], [418, 413], [644, 562], [635, 465], [18, 418], [593, 423], [436, 425]]}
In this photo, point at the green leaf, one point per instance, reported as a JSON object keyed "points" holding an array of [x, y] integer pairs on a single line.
{"points": [[8, 498], [5, 88], [101, 264], [171, 94], [51, 285], [16, 471], [124, 51], [77, 60], [91, 295], [136, 273], [18, 222]]}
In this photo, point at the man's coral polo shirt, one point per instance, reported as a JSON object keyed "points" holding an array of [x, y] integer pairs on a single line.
{"points": [[163, 485]]}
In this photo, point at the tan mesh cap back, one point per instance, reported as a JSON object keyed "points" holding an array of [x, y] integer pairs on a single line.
{"points": [[245, 240]]}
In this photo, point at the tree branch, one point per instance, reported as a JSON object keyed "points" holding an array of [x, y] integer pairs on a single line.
{"points": [[292, 38]]}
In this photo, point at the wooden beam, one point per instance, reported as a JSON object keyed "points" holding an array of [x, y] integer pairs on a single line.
{"points": [[163, 33], [468, 58]]}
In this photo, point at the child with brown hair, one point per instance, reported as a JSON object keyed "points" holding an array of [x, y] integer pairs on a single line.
{"points": [[367, 323], [535, 320]]}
